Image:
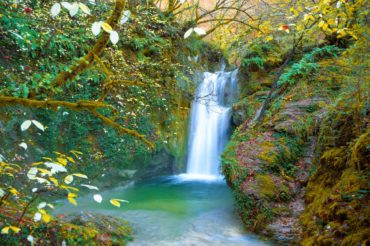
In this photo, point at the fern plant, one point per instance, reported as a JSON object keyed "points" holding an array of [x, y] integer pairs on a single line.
{"points": [[261, 56], [308, 64]]}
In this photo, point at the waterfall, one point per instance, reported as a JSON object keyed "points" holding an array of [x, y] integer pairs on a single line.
{"points": [[210, 120]]}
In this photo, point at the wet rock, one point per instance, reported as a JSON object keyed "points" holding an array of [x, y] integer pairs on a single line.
{"points": [[160, 163], [292, 112], [127, 173], [246, 108]]}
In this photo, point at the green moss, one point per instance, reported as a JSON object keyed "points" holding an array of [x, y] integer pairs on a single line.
{"points": [[266, 185], [280, 155], [233, 172], [359, 151], [334, 157], [337, 192], [304, 126], [107, 230]]}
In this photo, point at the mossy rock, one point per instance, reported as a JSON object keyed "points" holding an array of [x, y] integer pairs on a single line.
{"points": [[110, 230], [338, 193], [255, 164], [266, 185]]}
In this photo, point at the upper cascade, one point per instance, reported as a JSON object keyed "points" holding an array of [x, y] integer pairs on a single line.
{"points": [[210, 122]]}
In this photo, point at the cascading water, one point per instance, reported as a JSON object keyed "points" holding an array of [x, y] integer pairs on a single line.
{"points": [[210, 120]]}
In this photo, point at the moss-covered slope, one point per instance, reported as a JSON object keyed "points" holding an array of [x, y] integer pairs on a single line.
{"points": [[300, 176]]}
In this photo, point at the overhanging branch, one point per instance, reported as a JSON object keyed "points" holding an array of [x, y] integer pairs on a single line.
{"points": [[53, 104], [90, 106], [74, 70], [89, 58]]}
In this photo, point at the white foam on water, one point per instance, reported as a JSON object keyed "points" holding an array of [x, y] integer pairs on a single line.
{"points": [[199, 177]]}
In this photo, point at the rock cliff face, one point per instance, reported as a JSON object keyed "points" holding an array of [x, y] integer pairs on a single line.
{"points": [[288, 172]]}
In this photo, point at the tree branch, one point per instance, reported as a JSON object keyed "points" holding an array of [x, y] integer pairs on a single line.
{"points": [[74, 70], [231, 20], [121, 129], [90, 106], [89, 58], [54, 104]]}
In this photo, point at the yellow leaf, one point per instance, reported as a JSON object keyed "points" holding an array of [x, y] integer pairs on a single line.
{"points": [[5, 230], [45, 217], [72, 195], [68, 179], [13, 191], [84, 8], [15, 229], [37, 163], [326, 28], [80, 175], [71, 159], [76, 153], [62, 161], [106, 27], [353, 35], [66, 187], [73, 201], [300, 27], [54, 180], [294, 11], [115, 202], [71, 198], [341, 33], [331, 22], [308, 17], [44, 171], [269, 38], [321, 23]]}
